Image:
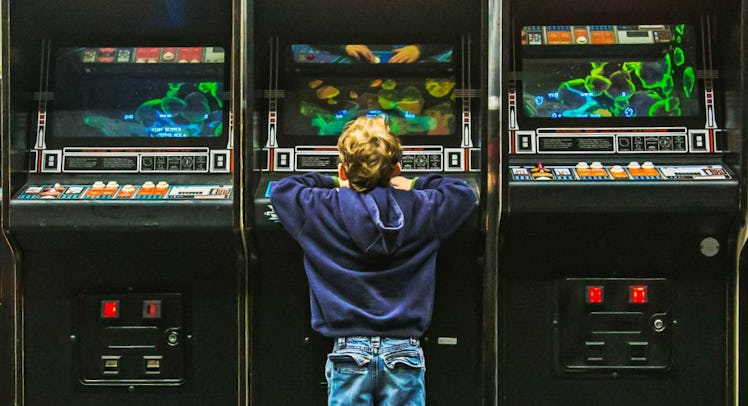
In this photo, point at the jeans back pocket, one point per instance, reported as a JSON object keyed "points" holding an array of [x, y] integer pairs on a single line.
{"points": [[412, 358], [349, 361]]}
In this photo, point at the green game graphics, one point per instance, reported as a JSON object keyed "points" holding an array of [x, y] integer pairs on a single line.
{"points": [[656, 87], [185, 110], [423, 106]]}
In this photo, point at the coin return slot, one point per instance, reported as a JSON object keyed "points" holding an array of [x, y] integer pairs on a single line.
{"points": [[595, 351], [152, 364], [638, 351], [110, 364]]}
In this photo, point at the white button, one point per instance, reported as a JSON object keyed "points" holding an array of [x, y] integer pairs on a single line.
{"points": [[148, 184], [648, 165], [616, 169], [596, 165], [634, 165], [582, 165]]}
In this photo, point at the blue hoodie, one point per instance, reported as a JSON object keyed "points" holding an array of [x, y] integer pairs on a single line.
{"points": [[370, 257]]}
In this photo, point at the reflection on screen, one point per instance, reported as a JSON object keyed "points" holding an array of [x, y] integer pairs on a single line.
{"points": [[415, 105], [574, 88], [371, 53]]}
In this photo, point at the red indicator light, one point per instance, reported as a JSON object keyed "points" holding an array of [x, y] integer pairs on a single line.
{"points": [[110, 309], [638, 294], [594, 294], [151, 309]]}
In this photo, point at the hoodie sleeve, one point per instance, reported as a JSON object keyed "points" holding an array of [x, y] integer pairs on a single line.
{"points": [[453, 201], [290, 196]]}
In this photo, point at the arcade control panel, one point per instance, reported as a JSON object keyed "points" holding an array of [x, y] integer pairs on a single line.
{"points": [[633, 171], [112, 190]]}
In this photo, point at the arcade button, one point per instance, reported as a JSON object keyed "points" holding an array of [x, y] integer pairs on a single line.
{"points": [[126, 192], [595, 171], [112, 185], [540, 172], [149, 191], [618, 172], [52, 192], [634, 165], [647, 171], [95, 191]]}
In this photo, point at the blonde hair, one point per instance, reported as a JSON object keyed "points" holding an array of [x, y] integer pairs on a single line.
{"points": [[368, 152]]}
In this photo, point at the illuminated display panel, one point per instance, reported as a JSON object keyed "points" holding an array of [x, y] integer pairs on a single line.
{"points": [[138, 93], [322, 105], [609, 72], [411, 85]]}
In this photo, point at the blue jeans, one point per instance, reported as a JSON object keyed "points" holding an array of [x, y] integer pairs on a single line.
{"points": [[368, 371]]}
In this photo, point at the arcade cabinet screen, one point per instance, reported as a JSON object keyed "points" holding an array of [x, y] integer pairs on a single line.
{"points": [[609, 71], [129, 93], [415, 102]]}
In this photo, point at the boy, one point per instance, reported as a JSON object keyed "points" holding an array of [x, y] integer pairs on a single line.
{"points": [[370, 238]]}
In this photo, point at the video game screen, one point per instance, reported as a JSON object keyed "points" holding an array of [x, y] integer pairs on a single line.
{"points": [[413, 105], [152, 101], [659, 81]]}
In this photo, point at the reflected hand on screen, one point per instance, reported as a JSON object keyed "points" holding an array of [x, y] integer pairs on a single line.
{"points": [[359, 52], [406, 54]]}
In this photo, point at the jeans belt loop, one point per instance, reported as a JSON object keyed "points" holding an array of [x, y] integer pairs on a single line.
{"points": [[375, 341], [341, 342]]}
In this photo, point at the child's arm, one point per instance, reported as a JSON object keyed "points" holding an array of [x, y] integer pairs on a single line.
{"points": [[453, 199], [292, 195]]}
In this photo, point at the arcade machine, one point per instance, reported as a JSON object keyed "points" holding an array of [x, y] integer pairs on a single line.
{"points": [[123, 204], [6, 264], [618, 245], [311, 88]]}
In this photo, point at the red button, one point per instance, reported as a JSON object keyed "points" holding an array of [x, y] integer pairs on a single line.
{"points": [[152, 309], [638, 294], [110, 309], [594, 294]]}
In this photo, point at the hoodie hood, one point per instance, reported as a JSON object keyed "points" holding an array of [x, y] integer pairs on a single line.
{"points": [[374, 220]]}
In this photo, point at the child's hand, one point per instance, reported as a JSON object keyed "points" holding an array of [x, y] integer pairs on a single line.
{"points": [[401, 182]]}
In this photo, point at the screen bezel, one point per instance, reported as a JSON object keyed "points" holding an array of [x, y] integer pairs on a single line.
{"points": [[293, 71], [164, 71], [589, 52]]}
